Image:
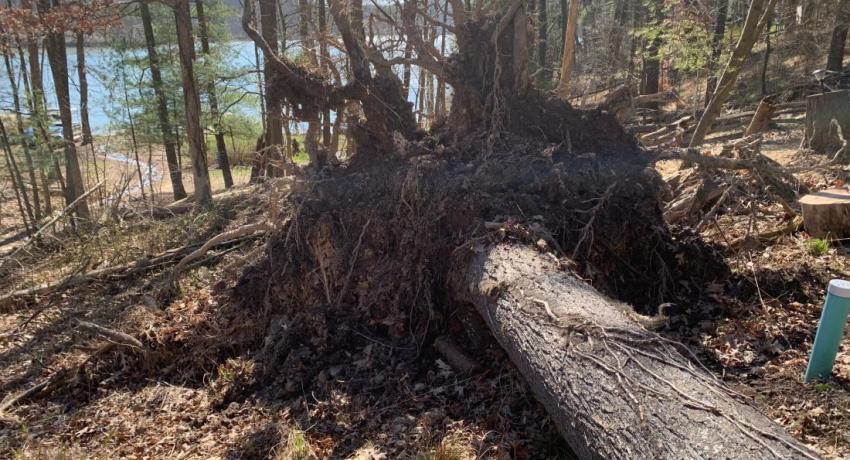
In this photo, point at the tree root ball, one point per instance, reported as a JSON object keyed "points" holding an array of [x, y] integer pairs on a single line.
{"points": [[378, 236]]}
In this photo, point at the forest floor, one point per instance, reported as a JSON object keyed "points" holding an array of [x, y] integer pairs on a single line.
{"points": [[754, 330]]}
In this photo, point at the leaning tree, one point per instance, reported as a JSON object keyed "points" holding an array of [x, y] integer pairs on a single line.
{"points": [[517, 206]]}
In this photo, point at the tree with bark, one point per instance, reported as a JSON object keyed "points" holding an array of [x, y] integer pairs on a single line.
{"points": [[716, 46], [569, 51], [274, 109], [566, 337], [192, 104], [56, 54], [543, 69], [19, 124], [835, 55], [651, 80], [212, 99], [83, 83], [166, 128]]}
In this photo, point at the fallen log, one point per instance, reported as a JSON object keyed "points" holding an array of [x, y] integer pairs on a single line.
{"points": [[614, 389], [684, 126]]}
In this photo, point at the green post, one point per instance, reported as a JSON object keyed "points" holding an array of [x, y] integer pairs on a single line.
{"points": [[830, 330]]}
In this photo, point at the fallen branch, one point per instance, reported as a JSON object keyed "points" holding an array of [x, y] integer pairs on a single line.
{"points": [[118, 337], [251, 230], [29, 393], [53, 382], [792, 226]]}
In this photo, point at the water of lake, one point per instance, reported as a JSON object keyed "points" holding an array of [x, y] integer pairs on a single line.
{"points": [[103, 104]]}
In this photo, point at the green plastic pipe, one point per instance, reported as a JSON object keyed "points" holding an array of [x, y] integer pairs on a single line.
{"points": [[830, 330]]}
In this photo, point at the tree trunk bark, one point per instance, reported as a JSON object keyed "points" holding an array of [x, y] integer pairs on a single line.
{"points": [[441, 104], [19, 123], [835, 56], [84, 89], [652, 60], [325, 61], [543, 73], [165, 127], [31, 104], [311, 137], [757, 18], [220, 145], [192, 104], [56, 54], [357, 19], [766, 61], [614, 389], [17, 181], [716, 47], [17, 187], [274, 129], [568, 56]]}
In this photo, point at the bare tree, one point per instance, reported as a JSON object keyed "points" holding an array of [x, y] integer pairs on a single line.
{"points": [[83, 83], [543, 73], [192, 104], [274, 110], [221, 146], [56, 54], [651, 81], [166, 129], [19, 122]]}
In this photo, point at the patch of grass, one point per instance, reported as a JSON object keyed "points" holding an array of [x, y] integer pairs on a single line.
{"points": [[294, 446], [821, 387], [817, 246]]}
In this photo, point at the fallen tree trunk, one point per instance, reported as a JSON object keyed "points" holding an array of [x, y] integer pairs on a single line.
{"points": [[614, 389]]}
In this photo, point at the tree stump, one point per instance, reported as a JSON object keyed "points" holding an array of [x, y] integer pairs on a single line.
{"points": [[764, 112], [827, 213], [822, 134]]}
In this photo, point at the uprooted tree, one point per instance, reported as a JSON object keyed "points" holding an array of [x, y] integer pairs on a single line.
{"points": [[505, 208]]}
